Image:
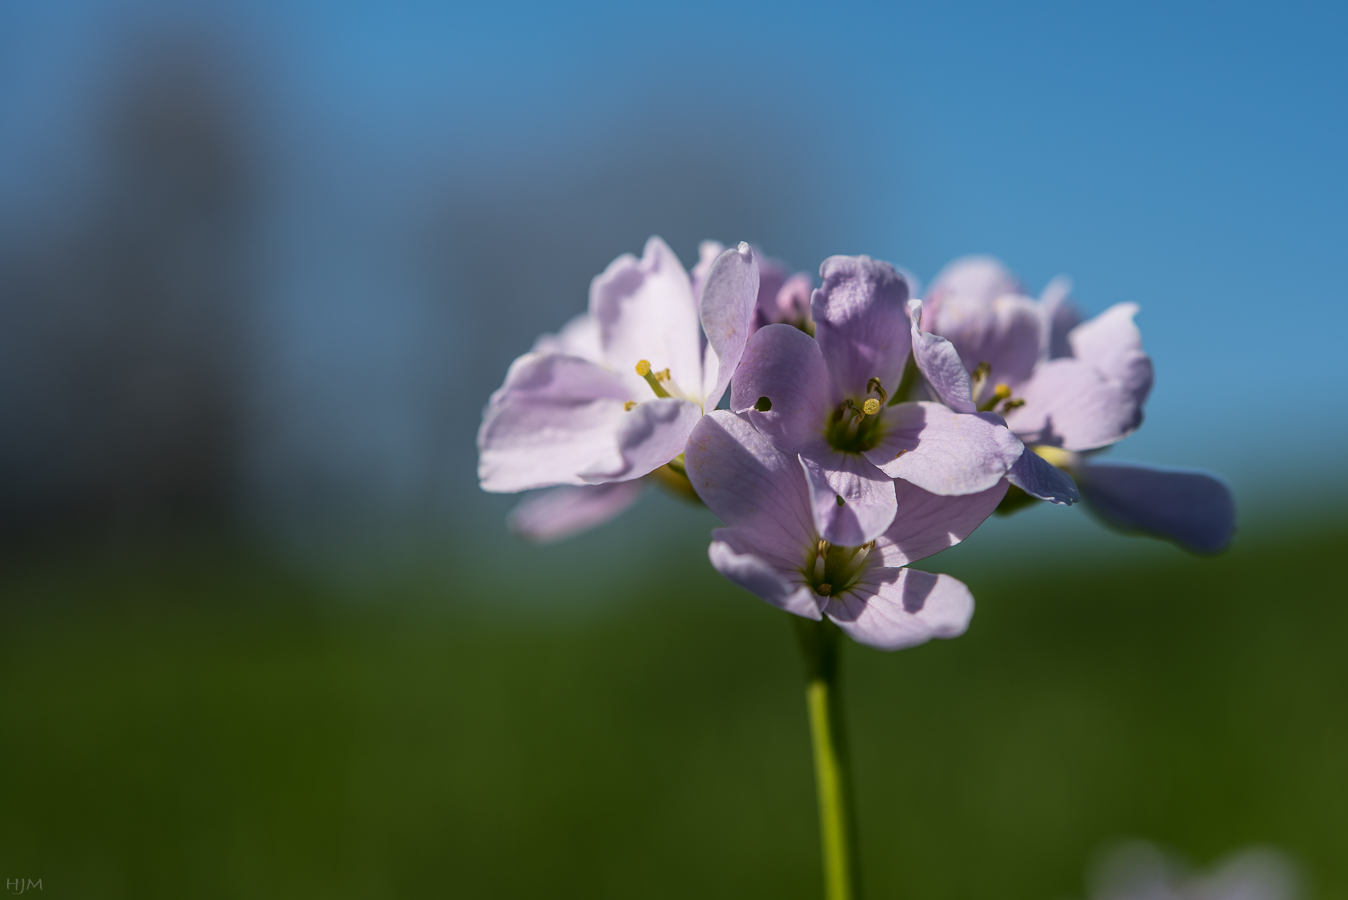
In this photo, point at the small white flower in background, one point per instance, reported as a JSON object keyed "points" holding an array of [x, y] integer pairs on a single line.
{"points": [[1141, 871]]}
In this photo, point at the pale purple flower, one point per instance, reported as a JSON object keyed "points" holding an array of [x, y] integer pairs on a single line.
{"points": [[614, 395], [1140, 871], [1068, 387], [830, 400], [772, 547], [1060, 382]]}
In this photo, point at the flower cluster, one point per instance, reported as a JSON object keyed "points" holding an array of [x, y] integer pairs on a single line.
{"points": [[865, 429]]}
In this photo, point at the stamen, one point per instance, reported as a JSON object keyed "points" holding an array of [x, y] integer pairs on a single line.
{"points": [[979, 377], [653, 379], [1013, 404], [627, 407], [826, 589], [999, 393], [873, 387], [871, 407], [822, 548]]}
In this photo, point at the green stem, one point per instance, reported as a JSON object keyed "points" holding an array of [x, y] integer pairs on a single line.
{"points": [[820, 646]]}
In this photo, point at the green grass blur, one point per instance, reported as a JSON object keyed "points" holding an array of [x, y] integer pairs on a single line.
{"points": [[204, 725]]}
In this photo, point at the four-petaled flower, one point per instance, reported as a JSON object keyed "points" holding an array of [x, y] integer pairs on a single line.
{"points": [[772, 547], [835, 400], [614, 396], [1068, 387]]}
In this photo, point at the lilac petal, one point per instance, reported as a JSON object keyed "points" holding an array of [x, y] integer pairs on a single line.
{"points": [[943, 451], [981, 279], [1112, 343], [707, 251], [727, 311], [563, 511], [940, 364], [928, 523], [891, 609], [1006, 333], [861, 323], [1193, 509], [554, 417], [1038, 477], [733, 557], [867, 496], [1060, 317], [579, 337], [648, 436], [645, 310], [1070, 404], [785, 365], [751, 485]]}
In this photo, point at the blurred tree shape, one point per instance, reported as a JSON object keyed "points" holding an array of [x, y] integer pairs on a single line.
{"points": [[121, 385]]}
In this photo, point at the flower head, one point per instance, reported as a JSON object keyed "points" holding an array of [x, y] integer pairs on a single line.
{"points": [[771, 544]]}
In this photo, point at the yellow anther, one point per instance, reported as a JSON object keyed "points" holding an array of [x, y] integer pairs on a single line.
{"points": [[627, 407], [999, 393], [826, 589], [653, 378], [871, 407], [822, 548]]}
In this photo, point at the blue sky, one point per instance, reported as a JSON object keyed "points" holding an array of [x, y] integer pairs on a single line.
{"points": [[1187, 158]]}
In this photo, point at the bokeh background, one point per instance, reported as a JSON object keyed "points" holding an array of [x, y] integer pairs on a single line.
{"points": [[262, 263]]}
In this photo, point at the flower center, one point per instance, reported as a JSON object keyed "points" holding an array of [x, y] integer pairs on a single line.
{"points": [[831, 569], [856, 429]]}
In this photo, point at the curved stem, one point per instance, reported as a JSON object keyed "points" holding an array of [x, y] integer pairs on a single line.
{"points": [[820, 646]]}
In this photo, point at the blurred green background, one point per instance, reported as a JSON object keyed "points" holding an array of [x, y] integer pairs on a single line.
{"points": [[202, 723]]}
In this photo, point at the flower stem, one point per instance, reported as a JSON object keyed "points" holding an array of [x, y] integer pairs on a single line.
{"points": [[820, 646]]}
